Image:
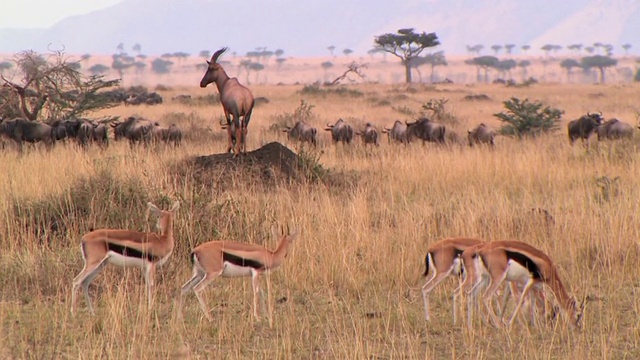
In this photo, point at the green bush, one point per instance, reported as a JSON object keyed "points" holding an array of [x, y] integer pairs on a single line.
{"points": [[526, 118], [316, 90]]}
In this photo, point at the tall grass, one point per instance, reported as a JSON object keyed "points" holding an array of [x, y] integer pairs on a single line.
{"points": [[349, 289]]}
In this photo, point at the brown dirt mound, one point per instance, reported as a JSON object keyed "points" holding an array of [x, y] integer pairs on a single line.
{"points": [[271, 164]]}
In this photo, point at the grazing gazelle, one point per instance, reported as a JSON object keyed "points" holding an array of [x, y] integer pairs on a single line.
{"points": [[522, 263], [125, 248], [443, 258], [476, 280], [233, 259]]}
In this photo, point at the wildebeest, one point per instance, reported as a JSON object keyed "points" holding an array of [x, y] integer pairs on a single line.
{"points": [[101, 135], [237, 102], [174, 135], [340, 132], [88, 132], [369, 135], [303, 132], [398, 132], [144, 98], [426, 130], [614, 129], [169, 135], [583, 127], [59, 130], [21, 130], [481, 134], [133, 129]]}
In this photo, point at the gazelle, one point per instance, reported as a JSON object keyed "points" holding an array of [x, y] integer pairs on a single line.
{"points": [[230, 259], [443, 259], [125, 248], [519, 262], [476, 280]]}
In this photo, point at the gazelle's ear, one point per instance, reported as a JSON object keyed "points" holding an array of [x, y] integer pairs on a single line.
{"points": [[294, 235], [154, 209], [176, 206], [274, 231]]}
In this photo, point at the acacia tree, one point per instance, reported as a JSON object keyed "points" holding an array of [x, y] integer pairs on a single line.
{"points": [[598, 61], [568, 65], [484, 62], [51, 88], [406, 45], [523, 64], [435, 59], [509, 48]]}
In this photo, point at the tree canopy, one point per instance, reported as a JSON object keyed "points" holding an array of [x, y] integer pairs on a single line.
{"points": [[485, 62], [598, 61], [48, 88], [406, 44]]}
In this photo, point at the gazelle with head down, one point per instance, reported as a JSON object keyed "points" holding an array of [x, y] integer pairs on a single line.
{"points": [[477, 280], [519, 262], [125, 248], [443, 259]]}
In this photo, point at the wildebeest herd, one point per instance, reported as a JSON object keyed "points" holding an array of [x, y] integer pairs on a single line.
{"points": [[429, 131], [238, 102], [86, 132]]}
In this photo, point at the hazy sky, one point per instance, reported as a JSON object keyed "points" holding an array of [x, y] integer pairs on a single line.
{"points": [[44, 13]]}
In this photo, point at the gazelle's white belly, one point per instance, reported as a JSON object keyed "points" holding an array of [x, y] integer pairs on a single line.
{"points": [[517, 272], [457, 266], [125, 261], [232, 270]]}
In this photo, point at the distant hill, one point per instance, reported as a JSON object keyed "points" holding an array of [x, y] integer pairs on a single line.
{"points": [[307, 28]]}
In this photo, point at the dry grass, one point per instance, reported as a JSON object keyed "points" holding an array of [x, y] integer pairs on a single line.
{"points": [[345, 291]]}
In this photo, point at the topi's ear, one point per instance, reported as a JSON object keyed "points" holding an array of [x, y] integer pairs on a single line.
{"points": [[176, 206]]}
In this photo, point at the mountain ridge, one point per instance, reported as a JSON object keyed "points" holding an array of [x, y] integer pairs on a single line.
{"points": [[308, 28]]}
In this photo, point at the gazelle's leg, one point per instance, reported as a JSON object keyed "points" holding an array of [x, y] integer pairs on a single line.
{"points": [[490, 293], [527, 286], [206, 280], [269, 302], [429, 286], [255, 282], [149, 276], [472, 296], [188, 286], [83, 280]]}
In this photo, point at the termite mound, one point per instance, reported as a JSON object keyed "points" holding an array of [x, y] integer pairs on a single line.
{"points": [[270, 165]]}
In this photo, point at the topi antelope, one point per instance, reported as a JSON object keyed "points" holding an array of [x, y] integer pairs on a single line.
{"points": [[516, 261], [125, 248], [237, 102], [230, 259]]}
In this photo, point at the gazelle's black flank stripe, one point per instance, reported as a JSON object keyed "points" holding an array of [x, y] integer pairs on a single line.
{"points": [[458, 255], [237, 260], [426, 265], [526, 262], [130, 252]]}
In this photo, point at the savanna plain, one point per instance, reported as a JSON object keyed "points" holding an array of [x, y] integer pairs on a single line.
{"points": [[350, 287]]}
